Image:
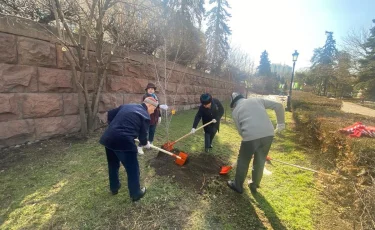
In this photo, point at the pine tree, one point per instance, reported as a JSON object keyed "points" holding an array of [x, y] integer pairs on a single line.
{"points": [[264, 68], [217, 34], [182, 34], [323, 61], [367, 70]]}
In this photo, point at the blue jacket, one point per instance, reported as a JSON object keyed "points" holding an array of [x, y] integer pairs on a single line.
{"points": [[125, 124]]}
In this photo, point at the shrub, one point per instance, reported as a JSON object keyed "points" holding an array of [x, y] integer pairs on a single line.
{"points": [[319, 120]]}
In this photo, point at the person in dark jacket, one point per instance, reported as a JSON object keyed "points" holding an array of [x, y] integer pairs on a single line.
{"points": [[125, 124], [210, 109]]}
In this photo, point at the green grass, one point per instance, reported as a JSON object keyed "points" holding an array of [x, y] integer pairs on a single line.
{"points": [[64, 185]]}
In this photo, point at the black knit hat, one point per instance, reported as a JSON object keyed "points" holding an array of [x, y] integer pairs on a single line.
{"points": [[150, 85], [206, 99]]}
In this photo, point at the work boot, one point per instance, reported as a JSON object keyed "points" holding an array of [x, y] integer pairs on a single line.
{"points": [[114, 192], [253, 188], [143, 192], [232, 185]]}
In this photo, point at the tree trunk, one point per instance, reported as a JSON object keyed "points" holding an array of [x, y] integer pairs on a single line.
{"points": [[82, 114], [325, 86], [337, 86]]}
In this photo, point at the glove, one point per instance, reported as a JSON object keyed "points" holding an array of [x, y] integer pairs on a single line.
{"points": [[140, 150], [279, 128], [164, 107], [159, 120], [214, 120], [192, 130], [148, 146]]}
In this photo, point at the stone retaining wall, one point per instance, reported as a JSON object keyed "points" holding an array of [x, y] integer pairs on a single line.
{"points": [[38, 99]]}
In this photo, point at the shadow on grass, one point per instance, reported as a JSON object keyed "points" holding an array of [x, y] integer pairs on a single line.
{"points": [[269, 212]]}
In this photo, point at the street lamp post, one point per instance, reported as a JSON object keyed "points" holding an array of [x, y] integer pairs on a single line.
{"points": [[288, 104]]}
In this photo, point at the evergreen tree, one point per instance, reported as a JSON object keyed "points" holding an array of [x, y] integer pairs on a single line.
{"points": [[367, 71], [264, 68], [217, 34], [323, 61], [182, 35]]}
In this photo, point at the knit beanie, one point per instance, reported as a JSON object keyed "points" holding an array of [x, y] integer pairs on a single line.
{"points": [[206, 99], [151, 101]]}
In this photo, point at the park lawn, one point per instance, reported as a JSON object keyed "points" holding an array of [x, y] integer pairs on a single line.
{"points": [[62, 183]]}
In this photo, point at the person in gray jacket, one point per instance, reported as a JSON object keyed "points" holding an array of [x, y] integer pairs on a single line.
{"points": [[257, 132]]}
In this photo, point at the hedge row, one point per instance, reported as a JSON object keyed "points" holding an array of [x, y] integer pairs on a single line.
{"points": [[319, 120]]}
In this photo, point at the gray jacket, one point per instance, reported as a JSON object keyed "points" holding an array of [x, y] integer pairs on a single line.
{"points": [[251, 118]]}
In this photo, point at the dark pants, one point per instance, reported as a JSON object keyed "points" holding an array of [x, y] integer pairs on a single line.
{"points": [[209, 135], [130, 162], [259, 148], [151, 133]]}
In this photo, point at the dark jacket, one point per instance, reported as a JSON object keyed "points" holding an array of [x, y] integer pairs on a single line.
{"points": [[155, 116], [215, 112], [125, 124]]}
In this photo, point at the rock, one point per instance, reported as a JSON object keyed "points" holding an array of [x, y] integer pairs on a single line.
{"points": [[70, 103], [109, 101], [42, 105], [8, 48], [36, 52], [133, 98], [17, 146], [48, 127], [54, 80], [16, 132], [171, 88], [125, 84], [117, 67], [62, 60], [18, 78], [148, 72], [91, 81], [132, 69], [9, 109]]}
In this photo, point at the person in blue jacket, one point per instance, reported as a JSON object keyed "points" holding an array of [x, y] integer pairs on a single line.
{"points": [[125, 124]]}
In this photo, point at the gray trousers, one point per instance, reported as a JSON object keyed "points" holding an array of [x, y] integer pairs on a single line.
{"points": [[259, 148]]}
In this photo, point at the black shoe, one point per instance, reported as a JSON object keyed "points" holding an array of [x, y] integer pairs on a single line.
{"points": [[207, 150], [114, 192], [231, 185], [253, 188], [211, 146], [143, 192]]}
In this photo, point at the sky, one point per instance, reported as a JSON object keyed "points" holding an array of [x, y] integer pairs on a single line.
{"points": [[282, 26]]}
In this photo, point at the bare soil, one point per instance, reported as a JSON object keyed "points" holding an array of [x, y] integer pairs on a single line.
{"points": [[196, 173]]}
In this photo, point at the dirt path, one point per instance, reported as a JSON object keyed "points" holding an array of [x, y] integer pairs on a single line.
{"points": [[349, 107]]}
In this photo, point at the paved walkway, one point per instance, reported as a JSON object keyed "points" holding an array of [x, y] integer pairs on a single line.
{"points": [[349, 107]]}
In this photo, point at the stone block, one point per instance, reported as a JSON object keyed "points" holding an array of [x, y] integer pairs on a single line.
{"points": [[52, 126], [42, 105], [70, 103], [18, 78], [36, 52], [110, 101], [16, 132], [55, 80], [8, 48], [125, 84], [9, 107]]}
